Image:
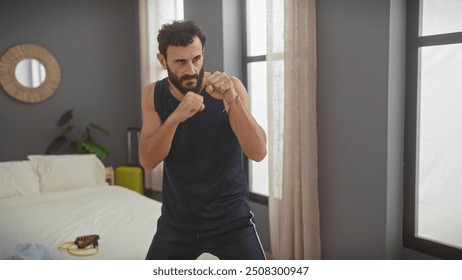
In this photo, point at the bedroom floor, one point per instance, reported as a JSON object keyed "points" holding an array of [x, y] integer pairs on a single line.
{"points": [[156, 195]]}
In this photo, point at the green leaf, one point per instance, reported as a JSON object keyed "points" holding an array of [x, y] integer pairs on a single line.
{"points": [[56, 144], [66, 117], [96, 149], [65, 131], [81, 142], [87, 135], [76, 146], [99, 128]]}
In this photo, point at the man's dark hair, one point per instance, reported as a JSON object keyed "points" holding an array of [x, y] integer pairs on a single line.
{"points": [[178, 33]]}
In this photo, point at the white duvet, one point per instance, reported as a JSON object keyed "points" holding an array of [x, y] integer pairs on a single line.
{"points": [[124, 220]]}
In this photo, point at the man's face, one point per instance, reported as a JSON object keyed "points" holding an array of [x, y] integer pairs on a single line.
{"points": [[185, 66], [187, 82]]}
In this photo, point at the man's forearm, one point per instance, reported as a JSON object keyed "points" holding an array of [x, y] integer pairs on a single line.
{"points": [[251, 136], [154, 148]]}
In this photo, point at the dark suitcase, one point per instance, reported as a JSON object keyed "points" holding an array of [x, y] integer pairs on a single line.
{"points": [[131, 175]]}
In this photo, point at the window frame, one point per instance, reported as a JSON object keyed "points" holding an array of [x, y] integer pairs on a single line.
{"points": [[413, 42]]}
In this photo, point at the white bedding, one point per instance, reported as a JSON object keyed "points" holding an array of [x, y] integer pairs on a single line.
{"points": [[124, 220]]}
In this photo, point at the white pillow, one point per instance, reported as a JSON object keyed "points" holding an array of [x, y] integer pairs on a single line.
{"points": [[63, 172], [18, 178]]}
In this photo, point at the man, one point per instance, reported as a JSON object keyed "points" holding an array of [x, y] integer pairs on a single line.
{"points": [[198, 123]]}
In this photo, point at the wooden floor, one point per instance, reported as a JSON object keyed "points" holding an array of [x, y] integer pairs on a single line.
{"points": [[156, 195]]}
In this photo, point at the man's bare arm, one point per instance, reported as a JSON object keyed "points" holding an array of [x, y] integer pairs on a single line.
{"points": [[156, 137]]}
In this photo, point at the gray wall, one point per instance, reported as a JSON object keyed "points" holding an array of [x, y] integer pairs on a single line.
{"points": [[353, 53], [96, 44], [211, 24]]}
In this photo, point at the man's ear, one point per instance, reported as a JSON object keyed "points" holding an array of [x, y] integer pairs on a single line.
{"points": [[162, 60]]}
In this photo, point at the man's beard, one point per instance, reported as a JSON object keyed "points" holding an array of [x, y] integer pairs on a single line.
{"points": [[177, 81]]}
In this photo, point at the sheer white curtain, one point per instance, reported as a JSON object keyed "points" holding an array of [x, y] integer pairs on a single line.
{"points": [[292, 132], [152, 14]]}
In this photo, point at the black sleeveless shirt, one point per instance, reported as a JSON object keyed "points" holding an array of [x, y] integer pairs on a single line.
{"points": [[204, 184]]}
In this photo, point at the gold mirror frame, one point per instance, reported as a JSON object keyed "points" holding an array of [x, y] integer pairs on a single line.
{"points": [[19, 92]]}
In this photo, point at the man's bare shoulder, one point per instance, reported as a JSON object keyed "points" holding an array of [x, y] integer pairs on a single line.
{"points": [[147, 97], [149, 88]]}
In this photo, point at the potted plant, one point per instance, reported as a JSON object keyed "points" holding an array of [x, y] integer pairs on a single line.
{"points": [[79, 141]]}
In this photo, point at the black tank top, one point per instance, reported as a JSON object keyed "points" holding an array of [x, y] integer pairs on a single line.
{"points": [[204, 184]]}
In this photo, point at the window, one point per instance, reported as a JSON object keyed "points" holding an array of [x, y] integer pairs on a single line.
{"points": [[255, 79], [433, 139]]}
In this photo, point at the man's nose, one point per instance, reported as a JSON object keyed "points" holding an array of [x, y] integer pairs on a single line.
{"points": [[190, 69]]}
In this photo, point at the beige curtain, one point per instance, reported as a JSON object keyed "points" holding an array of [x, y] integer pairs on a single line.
{"points": [[292, 135], [152, 14]]}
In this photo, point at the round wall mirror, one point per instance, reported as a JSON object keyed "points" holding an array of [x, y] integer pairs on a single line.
{"points": [[29, 73]]}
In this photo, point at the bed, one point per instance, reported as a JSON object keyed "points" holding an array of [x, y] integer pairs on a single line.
{"points": [[46, 201]]}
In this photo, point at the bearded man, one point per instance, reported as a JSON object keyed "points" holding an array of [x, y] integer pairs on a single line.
{"points": [[199, 124]]}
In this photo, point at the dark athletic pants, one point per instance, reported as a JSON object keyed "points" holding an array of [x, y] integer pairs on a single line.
{"points": [[238, 240]]}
